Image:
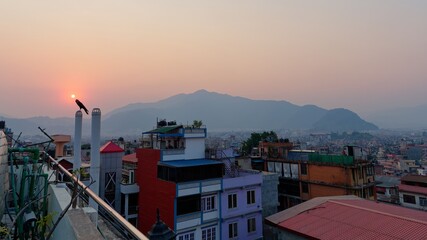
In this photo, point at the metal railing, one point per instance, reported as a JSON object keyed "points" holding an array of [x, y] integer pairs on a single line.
{"points": [[134, 232]]}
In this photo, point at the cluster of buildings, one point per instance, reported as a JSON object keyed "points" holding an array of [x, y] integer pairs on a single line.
{"points": [[172, 185], [305, 174], [199, 194]]}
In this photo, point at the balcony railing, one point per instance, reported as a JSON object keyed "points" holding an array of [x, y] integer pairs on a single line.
{"points": [[173, 151], [188, 220], [125, 227]]}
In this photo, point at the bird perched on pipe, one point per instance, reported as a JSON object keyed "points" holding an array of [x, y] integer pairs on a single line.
{"points": [[81, 106]]}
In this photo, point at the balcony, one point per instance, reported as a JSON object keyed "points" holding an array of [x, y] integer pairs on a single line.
{"points": [[188, 189], [129, 188], [188, 221], [190, 132], [174, 151], [211, 215]]}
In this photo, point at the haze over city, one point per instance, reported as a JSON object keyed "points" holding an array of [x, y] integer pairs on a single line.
{"points": [[360, 55]]}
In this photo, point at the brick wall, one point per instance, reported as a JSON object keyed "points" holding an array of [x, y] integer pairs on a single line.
{"points": [[328, 174], [4, 173], [323, 191]]}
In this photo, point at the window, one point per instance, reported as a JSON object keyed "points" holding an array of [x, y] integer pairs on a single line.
{"points": [[232, 230], [186, 236], [251, 225], [380, 190], [423, 201], [208, 203], [188, 204], [131, 177], [370, 171], [250, 197], [209, 233], [187, 174], [408, 199], [304, 187], [232, 200], [303, 168]]}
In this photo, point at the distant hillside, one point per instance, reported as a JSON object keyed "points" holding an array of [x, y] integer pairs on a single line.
{"points": [[224, 112], [219, 112], [402, 118], [342, 120]]}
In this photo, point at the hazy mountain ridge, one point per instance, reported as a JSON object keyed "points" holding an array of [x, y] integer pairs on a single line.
{"points": [[414, 117], [219, 112], [222, 112]]}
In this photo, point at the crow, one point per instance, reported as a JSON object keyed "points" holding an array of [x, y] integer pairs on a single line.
{"points": [[81, 106]]}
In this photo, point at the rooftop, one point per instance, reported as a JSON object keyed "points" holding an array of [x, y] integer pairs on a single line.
{"points": [[189, 163], [414, 178], [130, 158], [386, 181], [350, 217], [165, 129], [110, 147], [412, 189]]}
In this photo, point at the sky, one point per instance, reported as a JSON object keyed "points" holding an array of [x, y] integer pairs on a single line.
{"points": [[361, 55]]}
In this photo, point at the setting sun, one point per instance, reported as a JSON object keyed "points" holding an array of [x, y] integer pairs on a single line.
{"points": [[73, 96]]}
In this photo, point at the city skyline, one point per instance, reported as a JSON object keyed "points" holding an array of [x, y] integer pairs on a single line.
{"points": [[364, 56]]}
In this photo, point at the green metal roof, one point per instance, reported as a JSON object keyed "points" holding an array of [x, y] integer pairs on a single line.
{"points": [[331, 159], [165, 129]]}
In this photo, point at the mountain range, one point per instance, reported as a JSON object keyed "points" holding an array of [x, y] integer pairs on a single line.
{"points": [[414, 117], [219, 112]]}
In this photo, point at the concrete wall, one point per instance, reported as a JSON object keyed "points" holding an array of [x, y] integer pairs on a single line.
{"points": [[74, 225], [269, 193], [154, 193], [411, 205], [242, 227], [270, 200], [4, 173], [194, 148], [243, 211]]}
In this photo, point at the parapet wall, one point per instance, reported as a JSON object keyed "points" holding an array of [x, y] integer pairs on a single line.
{"points": [[4, 173], [76, 224]]}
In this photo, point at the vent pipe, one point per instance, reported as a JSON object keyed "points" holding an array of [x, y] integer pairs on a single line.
{"points": [[95, 156], [78, 140]]}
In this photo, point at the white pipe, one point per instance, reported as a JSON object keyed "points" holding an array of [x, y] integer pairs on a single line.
{"points": [[78, 141], [95, 155]]}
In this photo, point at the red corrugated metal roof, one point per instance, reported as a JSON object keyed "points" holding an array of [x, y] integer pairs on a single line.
{"points": [[412, 189], [414, 178], [130, 158], [110, 147], [358, 219]]}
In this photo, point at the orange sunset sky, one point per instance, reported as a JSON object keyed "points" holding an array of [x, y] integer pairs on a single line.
{"points": [[361, 55]]}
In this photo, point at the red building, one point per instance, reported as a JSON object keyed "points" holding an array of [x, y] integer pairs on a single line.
{"points": [[174, 177], [153, 190]]}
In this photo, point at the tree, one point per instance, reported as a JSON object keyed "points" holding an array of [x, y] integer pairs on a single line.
{"points": [[197, 123], [255, 138]]}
